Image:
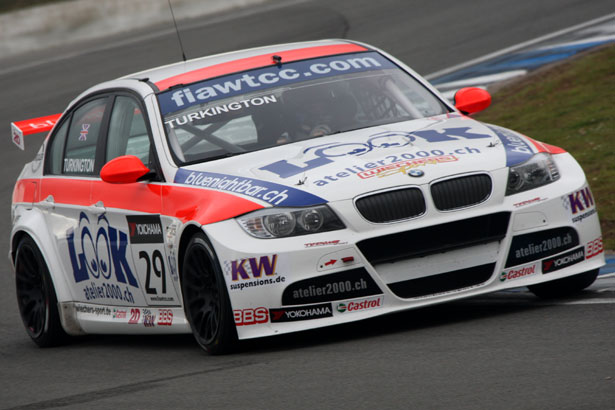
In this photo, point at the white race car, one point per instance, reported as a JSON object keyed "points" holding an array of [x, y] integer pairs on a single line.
{"points": [[284, 188]]}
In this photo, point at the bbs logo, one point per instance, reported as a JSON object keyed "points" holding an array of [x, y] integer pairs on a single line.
{"points": [[255, 316], [98, 251]]}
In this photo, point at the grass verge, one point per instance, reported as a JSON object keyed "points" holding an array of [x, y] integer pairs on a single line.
{"points": [[570, 105]]}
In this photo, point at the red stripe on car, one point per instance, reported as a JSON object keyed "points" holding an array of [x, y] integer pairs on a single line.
{"points": [[188, 204], [256, 62], [544, 147]]}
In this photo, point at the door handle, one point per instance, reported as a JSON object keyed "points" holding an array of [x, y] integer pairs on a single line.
{"points": [[48, 203], [97, 208]]}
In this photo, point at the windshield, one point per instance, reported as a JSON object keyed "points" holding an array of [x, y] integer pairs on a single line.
{"points": [[290, 102]]}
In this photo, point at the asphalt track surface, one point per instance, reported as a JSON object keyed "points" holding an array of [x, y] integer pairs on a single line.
{"points": [[502, 351]]}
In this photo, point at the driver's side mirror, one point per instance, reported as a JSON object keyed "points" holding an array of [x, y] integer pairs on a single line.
{"points": [[126, 169], [471, 100]]}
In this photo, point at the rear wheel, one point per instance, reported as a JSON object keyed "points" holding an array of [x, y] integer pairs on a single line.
{"points": [[565, 286], [36, 296], [206, 300]]}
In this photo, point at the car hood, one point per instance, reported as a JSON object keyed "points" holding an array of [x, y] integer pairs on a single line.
{"points": [[343, 166]]}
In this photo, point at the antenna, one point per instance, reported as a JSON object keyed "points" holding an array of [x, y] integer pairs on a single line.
{"points": [[181, 46]]}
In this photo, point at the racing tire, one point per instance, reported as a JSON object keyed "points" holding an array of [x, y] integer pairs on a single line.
{"points": [[206, 301], [36, 296], [565, 286]]}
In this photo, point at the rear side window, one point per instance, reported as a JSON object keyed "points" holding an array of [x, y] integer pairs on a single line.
{"points": [[56, 150], [82, 138]]}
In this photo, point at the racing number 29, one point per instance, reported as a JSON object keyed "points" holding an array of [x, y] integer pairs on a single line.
{"points": [[157, 262]]}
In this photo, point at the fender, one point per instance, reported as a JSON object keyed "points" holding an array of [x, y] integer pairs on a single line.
{"points": [[25, 222]]}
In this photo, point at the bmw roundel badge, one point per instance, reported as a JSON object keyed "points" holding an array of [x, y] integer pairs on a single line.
{"points": [[416, 173]]}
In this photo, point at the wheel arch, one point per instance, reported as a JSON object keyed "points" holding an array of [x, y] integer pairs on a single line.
{"points": [[45, 243], [225, 337], [189, 231]]}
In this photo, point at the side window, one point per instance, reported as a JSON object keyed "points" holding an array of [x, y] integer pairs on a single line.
{"points": [[127, 131], [56, 150], [80, 152]]}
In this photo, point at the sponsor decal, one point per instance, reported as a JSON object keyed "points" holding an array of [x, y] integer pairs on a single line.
{"points": [[404, 166], [245, 317], [269, 192], [594, 248], [98, 253], [254, 269], [78, 165], [587, 214], [517, 149], [579, 201], [326, 153], [268, 77], [517, 273], [580, 204], [165, 317], [149, 318], [147, 246], [537, 245], [93, 310], [219, 109], [95, 291], [145, 229], [357, 305], [325, 243], [563, 261], [366, 167], [335, 260], [529, 202], [293, 314], [119, 313], [135, 316], [17, 136], [251, 272], [83, 136], [350, 284]]}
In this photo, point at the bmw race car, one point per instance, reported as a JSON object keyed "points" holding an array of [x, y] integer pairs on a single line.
{"points": [[284, 188]]}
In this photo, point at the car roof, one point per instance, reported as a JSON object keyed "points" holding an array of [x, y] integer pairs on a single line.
{"points": [[202, 68]]}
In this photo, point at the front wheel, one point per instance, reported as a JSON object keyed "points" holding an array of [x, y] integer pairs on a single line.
{"points": [[565, 286], [206, 301], [36, 296]]}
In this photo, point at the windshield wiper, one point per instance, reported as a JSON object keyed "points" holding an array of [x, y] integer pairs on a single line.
{"points": [[207, 134]]}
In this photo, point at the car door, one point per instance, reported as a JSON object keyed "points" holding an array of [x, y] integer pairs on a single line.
{"points": [[131, 212], [65, 193]]}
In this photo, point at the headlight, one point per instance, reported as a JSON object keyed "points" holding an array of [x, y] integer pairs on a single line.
{"points": [[537, 171], [283, 222]]}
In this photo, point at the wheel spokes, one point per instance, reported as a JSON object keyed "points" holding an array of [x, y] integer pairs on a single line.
{"points": [[30, 290], [202, 295]]}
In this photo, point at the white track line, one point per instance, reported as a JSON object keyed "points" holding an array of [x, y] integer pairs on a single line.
{"points": [[518, 46], [599, 301], [483, 79]]}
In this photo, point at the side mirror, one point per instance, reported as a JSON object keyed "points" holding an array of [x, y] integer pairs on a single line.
{"points": [[126, 169], [471, 100]]}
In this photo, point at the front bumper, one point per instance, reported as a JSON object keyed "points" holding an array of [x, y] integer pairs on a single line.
{"points": [[285, 285]]}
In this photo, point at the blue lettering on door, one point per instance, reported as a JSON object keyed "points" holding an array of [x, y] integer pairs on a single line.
{"points": [[94, 257], [323, 153]]}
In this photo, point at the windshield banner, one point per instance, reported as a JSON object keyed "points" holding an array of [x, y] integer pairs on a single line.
{"points": [[268, 77]]}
